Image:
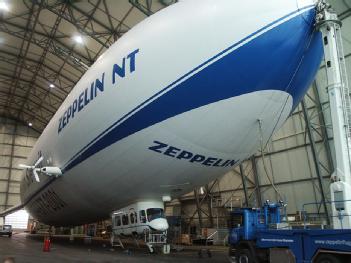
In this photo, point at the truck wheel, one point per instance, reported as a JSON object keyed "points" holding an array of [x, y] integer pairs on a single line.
{"points": [[244, 256], [327, 258]]}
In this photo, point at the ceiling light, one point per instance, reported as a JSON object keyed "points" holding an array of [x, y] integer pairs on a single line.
{"points": [[30, 124], [4, 6], [202, 190], [52, 85], [78, 39]]}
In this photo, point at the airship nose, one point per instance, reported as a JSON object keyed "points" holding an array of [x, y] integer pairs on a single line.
{"points": [[303, 5], [309, 43], [159, 224]]}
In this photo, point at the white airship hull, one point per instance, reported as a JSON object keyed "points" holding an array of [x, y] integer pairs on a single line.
{"points": [[174, 104]]}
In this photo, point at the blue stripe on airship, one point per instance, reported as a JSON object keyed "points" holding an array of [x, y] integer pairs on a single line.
{"points": [[284, 58]]}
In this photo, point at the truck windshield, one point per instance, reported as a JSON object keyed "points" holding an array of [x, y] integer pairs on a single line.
{"points": [[236, 220], [154, 213]]}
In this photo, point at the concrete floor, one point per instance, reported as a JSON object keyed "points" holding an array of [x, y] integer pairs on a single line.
{"points": [[29, 250]]}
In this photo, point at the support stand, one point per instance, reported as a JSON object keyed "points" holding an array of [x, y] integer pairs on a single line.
{"points": [[340, 107], [116, 241], [156, 239]]}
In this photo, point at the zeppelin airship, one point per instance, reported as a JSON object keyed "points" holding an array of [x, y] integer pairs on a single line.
{"points": [[180, 99]]}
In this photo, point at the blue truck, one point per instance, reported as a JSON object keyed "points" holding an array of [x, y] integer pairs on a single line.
{"points": [[259, 235]]}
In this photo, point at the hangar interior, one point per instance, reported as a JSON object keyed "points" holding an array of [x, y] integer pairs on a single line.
{"points": [[45, 48]]}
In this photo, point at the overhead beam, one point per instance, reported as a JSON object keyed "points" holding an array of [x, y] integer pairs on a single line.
{"points": [[31, 101], [290, 182], [41, 74], [40, 64], [43, 89], [18, 56], [68, 15], [56, 48], [34, 127], [37, 117], [144, 8], [32, 20]]}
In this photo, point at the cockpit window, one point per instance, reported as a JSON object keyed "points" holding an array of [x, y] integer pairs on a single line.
{"points": [[154, 213]]}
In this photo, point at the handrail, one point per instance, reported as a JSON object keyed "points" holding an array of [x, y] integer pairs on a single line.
{"points": [[210, 236], [304, 212]]}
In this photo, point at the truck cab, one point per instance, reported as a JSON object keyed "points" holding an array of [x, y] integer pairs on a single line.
{"points": [[246, 223]]}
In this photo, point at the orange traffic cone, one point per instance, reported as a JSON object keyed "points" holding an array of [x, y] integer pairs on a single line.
{"points": [[47, 244]]}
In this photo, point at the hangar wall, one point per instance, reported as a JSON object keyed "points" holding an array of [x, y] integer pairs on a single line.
{"points": [[16, 141], [289, 159]]}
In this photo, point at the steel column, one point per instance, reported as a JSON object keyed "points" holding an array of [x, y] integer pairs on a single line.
{"points": [[198, 207], [315, 159], [243, 178], [323, 126], [209, 205], [10, 166], [257, 182]]}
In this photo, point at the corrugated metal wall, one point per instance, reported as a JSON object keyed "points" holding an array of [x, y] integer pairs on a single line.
{"points": [[16, 141]]}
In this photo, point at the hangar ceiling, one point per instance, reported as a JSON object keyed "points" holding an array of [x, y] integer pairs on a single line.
{"points": [[41, 59], [47, 45]]}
